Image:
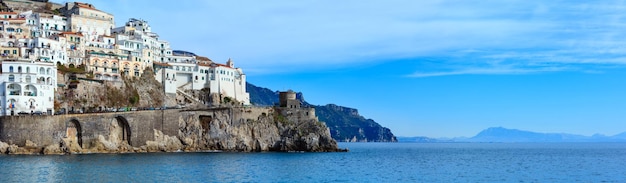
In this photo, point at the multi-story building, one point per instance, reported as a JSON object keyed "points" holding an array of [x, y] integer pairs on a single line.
{"points": [[105, 65], [75, 47], [27, 87], [228, 81], [85, 18], [186, 71]]}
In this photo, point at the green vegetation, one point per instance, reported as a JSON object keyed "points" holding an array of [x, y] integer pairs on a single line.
{"points": [[78, 70], [227, 100]]}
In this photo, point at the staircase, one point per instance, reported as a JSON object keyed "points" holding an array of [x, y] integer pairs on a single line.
{"points": [[188, 97], [183, 86]]}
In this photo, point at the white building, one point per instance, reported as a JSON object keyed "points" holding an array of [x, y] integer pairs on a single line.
{"points": [[27, 86], [191, 74], [228, 81]]}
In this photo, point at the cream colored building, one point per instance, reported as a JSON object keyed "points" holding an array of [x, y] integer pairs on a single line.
{"points": [[85, 18], [75, 47]]}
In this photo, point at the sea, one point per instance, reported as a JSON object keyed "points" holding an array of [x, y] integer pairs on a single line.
{"points": [[365, 162]]}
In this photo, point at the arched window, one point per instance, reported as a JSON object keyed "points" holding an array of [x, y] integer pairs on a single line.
{"points": [[19, 69], [27, 69], [48, 71], [42, 71], [28, 80], [10, 68]]}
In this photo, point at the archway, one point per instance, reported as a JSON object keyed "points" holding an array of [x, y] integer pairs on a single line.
{"points": [[74, 131], [205, 122], [125, 129]]}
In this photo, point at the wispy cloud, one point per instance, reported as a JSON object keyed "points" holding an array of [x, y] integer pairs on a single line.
{"points": [[489, 71], [317, 34]]}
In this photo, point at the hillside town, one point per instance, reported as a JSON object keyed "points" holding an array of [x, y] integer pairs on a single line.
{"points": [[48, 49]]}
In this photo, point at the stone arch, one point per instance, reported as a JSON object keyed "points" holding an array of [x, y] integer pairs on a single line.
{"points": [[73, 130], [125, 129], [205, 122]]}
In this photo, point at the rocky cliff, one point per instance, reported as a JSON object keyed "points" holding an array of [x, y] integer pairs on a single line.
{"points": [[346, 124], [240, 129]]}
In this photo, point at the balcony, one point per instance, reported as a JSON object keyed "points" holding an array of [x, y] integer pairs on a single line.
{"points": [[32, 94]]}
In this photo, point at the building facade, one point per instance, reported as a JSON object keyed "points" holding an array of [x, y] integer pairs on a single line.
{"points": [[27, 87]]}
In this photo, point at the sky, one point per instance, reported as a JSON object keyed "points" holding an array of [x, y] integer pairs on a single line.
{"points": [[436, 68]]}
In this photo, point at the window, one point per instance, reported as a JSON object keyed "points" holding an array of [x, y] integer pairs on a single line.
{"points": [[19, 69], [11, 78], [11, 69]]}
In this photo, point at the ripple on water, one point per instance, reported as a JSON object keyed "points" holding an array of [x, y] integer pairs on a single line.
{"points": [[366, 162]]}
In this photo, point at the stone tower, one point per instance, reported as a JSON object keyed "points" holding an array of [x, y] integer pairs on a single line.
{"points": [[288, 99]]}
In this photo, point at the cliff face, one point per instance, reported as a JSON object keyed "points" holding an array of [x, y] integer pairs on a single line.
{"points": [[241, 129], [346, 124], [271, 131]]}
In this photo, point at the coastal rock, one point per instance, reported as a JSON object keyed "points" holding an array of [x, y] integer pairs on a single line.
{"points": [[71, 145], [53, 149], [272, 131], [4, 147], [12, 149], [30, 144], [163, 143]]}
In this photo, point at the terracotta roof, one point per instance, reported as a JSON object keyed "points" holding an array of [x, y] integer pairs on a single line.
{"points": [[203, 58], [88, 6], [203, 64], [8, 13], [222, 65], [161, 64], [85, 5]]}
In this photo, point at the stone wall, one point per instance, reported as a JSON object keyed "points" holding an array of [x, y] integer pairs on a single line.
{"points": [[51, 129], [226, 128]]}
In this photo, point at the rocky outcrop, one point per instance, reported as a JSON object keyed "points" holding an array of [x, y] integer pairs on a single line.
{"points": [[4, 147], [163, 143], [346, 124], [271, 132]]}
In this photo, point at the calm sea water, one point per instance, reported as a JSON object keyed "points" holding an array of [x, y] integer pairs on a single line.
{"points": [[366, 162]]}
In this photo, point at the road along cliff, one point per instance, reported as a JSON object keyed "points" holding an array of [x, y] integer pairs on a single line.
{"points": [[240, 129]]}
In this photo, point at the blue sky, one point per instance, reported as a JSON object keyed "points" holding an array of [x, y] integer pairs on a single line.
{"points": [[432, 68]]}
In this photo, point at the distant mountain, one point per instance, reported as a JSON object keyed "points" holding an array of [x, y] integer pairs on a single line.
{"points": [[346, 124], [500, 134], [421, 139]]}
